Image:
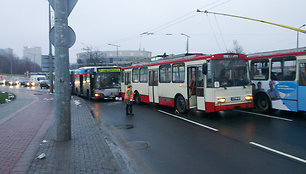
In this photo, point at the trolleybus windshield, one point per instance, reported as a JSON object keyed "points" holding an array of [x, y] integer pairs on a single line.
{"points": [[227, 73]]}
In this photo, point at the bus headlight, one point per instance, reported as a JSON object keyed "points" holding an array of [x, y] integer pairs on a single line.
{"points": [[221, 100], [248, 97]]}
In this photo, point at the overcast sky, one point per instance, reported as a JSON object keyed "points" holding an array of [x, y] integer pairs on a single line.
{"points": [[98, 23]]}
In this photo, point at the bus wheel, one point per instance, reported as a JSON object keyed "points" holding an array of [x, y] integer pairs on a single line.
{"points": [[137, 99], [180, 104], [262, 102]]}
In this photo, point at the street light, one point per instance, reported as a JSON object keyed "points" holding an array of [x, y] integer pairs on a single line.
{"points": [[117, 46], [187, 47], [297, 36]]}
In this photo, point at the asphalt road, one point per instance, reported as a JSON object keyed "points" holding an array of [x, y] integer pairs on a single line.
{"points": [[155, 140]]}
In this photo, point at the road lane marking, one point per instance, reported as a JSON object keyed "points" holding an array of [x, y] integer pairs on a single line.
{"points": [[285, 119], [278, 152], [207, 127]]}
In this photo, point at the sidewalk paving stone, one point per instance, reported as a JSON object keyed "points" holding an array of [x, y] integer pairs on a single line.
{"points": [[86, 152]]}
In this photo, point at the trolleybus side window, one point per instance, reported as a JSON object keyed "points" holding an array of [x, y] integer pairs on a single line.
{"points": [[178, 73], [127, 78], [165, 74], [200, 82], [143, 72], [209, 76], [135, 75], [260, 69], [302, 74], [283, 69]]}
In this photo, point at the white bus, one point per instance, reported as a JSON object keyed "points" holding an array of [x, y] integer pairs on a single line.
{"points": [[204, 82], [281, 79], [97, 82]]}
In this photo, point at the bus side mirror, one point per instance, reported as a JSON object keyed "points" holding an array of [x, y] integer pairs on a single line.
{"points": [[204, 68]]}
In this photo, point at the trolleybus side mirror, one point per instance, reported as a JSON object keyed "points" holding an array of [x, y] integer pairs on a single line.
{"points": [[204, 68]]}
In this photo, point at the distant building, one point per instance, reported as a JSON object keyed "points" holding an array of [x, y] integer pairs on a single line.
{"points": [[32, 53], [6, 52], [45, 63], [120, 58]]}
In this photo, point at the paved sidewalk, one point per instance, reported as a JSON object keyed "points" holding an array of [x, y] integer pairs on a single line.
{"points": [[87, 152]]}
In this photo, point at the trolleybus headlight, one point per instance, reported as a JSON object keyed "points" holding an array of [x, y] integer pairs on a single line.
{"points": [[248, 97], [97, 95], [221, 100]]}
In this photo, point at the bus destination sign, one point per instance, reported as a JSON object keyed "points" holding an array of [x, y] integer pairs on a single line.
{"points": [[108, 70]]}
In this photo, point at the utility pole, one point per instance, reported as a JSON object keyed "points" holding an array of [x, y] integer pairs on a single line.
{"points": [[62, 85], [62, 37]]}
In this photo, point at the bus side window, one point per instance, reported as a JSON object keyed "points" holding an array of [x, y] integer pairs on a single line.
{"points": [[127, 78], [302, 74]]}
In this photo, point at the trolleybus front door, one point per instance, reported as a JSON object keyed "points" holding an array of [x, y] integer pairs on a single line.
{"points": [[196, 88], [153, 86], [302, 87], [192, 97]]}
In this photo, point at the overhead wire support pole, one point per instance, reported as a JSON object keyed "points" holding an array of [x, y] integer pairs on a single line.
{"points": [[241, 17], [62, 80]]}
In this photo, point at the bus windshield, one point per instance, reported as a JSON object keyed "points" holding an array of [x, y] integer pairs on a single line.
{"points": [[227, 73], [107, 80]]}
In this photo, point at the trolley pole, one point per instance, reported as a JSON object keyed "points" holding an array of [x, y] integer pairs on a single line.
{"points": [[62, 85]]}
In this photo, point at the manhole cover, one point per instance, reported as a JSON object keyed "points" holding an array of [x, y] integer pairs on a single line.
{"points": [[139, 145], [125, 126]]}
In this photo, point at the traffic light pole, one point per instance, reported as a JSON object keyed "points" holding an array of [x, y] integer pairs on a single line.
{"points": [[62, 81]]}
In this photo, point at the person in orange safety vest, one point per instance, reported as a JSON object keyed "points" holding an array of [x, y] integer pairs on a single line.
{"points": [[128, 100]]}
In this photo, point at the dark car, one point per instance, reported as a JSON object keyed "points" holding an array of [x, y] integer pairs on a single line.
{"points": [[44, 84]]}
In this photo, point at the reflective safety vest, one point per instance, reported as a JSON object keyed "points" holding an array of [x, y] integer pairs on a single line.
{"points": [[126, 95]]}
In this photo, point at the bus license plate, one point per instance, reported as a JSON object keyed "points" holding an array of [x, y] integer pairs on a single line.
{"points": [[235, 98]]}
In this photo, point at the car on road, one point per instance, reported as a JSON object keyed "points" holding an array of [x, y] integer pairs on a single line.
{"points": [[44, 84]]}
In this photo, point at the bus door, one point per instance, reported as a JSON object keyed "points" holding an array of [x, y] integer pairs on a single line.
{"points": [[192, 97], [81, 83], [196, 88], [302, 87], [153, 86]]}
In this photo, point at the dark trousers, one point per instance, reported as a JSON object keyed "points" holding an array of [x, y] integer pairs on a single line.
{"points": [[129, 109]]}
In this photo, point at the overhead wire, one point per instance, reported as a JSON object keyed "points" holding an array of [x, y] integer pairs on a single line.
{"points": [[171, 23]]}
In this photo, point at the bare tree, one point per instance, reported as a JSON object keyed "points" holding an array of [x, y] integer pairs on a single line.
{"points": [[237, 48]]}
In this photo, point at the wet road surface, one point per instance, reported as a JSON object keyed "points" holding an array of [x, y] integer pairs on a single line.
{"points": [[157, 141]]}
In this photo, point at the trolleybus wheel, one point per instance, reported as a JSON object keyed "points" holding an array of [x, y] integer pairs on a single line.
{"points": [[137, 99], [262, 102], [180, 104]]}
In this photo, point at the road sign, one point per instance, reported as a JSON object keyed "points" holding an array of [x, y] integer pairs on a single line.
{"points": [[71, 36], [70, 5]]}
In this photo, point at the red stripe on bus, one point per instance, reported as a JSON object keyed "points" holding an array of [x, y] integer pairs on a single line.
{"points": [[278, 55], [210, 106], [144, 98], [166, 101]]}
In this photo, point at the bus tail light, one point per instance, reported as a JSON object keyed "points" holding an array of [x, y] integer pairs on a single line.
{"points": [[248, 97], [221, 100]]}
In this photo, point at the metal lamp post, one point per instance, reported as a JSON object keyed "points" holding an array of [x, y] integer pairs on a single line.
{"points": [[187, 46], [117, 46], [297, 36]]}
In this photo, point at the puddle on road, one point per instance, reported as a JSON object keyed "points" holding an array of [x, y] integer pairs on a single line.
{"points": [[139, 145]]}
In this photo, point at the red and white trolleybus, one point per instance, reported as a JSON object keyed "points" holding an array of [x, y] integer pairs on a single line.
{"points": [[205, 82]]}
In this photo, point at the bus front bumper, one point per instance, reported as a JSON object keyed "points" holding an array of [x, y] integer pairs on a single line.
{"points": [[213, 107]]}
